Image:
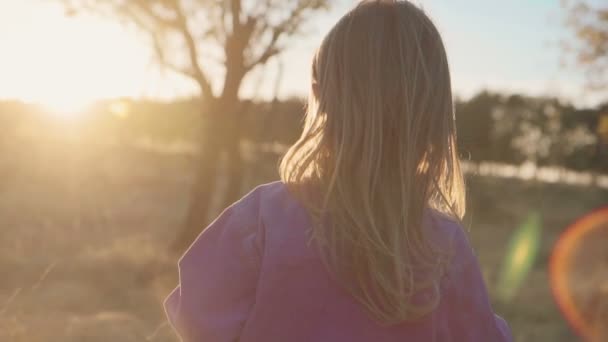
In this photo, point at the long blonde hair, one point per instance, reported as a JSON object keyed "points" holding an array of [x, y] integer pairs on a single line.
{"points": [[379, 145]]}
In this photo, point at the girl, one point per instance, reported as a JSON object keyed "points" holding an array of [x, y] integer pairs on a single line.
{"points": [[361, 240]]}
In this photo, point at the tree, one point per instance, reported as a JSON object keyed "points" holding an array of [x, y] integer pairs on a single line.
{"points": [[194, 38], [474, 123], [588, 21], [589, 25]]}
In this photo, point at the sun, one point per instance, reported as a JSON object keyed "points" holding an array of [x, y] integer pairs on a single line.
{"points": [[65, 64], [66, 108]]}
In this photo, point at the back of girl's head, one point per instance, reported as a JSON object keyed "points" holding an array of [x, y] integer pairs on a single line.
{"points": [[379, 142]]}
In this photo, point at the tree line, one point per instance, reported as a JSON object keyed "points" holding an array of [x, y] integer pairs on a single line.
{"points": [[491, 126]]}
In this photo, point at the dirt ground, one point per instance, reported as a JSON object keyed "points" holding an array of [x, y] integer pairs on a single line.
{"points": [[84, 228]]}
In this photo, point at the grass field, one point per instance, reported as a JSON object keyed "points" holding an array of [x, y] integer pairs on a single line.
{"points": [[83, 228]]}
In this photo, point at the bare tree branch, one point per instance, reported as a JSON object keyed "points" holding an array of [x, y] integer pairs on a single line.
{"points": [[286, 27], [147, 7], [235, 7], [249, 33], [192, 51], [162, 59]]}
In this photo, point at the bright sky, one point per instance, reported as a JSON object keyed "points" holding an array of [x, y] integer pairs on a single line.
{"points": [[66, 62]]}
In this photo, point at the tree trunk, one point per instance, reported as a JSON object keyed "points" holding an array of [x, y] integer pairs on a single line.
{"points": [[220, 134], [234, 165], [205, 182]]}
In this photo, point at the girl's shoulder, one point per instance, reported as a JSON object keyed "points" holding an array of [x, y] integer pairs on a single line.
{"points": [[452, 237], [263, 199], [272, 193], [268, 209], [273, 200]]}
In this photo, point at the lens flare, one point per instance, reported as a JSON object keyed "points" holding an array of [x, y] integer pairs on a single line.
{"points": [[520, 257], [578, 273], [119, 109]]}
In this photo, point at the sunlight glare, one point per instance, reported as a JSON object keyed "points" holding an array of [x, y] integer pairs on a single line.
{"points": [[66, 108], [66, 63], [119, 109]]}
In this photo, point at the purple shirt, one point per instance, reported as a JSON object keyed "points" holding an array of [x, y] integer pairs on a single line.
{"points": [[252, 276]]}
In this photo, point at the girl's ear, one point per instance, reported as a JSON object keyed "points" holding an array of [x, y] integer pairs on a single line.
{"points": [[315, 89]]}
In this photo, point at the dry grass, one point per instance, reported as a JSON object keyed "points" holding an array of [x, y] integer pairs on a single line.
{"points": [[497, 207], [83, 227]]}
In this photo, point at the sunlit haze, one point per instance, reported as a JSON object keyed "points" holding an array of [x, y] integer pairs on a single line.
{"points": [[67, 62], [111, 168]]}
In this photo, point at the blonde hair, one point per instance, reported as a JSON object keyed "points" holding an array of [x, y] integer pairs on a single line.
{"points": [[379, 145]]}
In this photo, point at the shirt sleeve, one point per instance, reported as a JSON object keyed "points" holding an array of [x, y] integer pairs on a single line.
{"points": [[217, 278], [471, 317]]}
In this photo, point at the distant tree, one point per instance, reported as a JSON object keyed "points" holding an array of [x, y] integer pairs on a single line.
{"points": [[578, 140], [194, 38], [474, 122], [589, 25]]}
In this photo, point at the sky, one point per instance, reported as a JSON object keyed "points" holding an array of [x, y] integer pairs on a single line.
{"points": [[66, 62]]}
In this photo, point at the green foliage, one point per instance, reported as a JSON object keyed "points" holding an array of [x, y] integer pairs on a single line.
{"points": [[514, 129], [588, 24], [474, 124]]}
